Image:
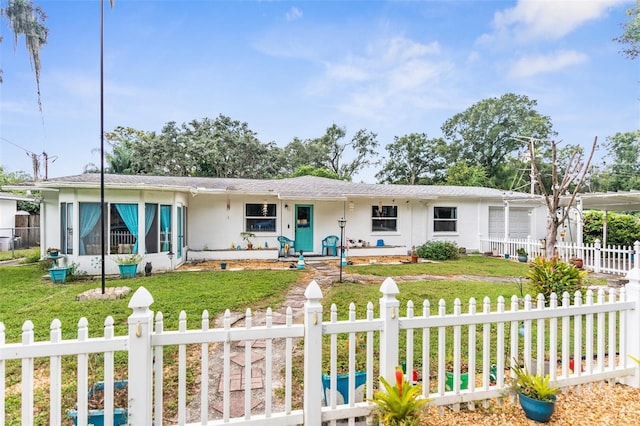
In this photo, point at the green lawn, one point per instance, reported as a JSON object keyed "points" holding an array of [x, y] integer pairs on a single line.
{"points": [[467, 265], [25, 294]]}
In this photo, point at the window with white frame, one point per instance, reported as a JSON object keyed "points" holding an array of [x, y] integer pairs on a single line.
{"points": [[260, 217], [445, 219], [66, 228], [123, 228], [384, 218], [90, 218]]}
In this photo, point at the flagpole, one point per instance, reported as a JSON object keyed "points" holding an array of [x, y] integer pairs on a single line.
{"points": [[102, 209]]}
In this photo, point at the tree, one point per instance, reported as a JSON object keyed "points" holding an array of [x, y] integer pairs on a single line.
{"points": [[414, 159], [216, 148], [332, 150], [121, 158], [8, 178], [487, 133], [623, 171], [25, 19], [463, 174], [314, 171], [564, 180], [630, 37]]}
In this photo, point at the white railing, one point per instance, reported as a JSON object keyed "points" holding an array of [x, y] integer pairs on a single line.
{"points": [[595, 329], [617, 260]]}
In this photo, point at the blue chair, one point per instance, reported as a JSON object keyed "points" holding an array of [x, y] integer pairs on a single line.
{"points": [[284, 241], [330, 243]]}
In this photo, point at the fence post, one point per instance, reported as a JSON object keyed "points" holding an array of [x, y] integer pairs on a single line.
{"points": [[596, 256], [389, 313], [633, 316], [140, 359], [312, 406]]}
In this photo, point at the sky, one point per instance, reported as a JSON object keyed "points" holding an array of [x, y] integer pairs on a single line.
{"points": [[293, 68]]}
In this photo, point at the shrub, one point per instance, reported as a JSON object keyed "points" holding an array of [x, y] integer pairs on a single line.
{"points": [[438, 250], [553, 276]]}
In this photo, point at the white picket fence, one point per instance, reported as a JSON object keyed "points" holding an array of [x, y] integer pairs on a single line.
{"points": [[599, 330], [617, 260]]}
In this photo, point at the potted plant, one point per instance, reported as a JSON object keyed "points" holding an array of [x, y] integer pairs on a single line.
{"points": [[537, 397], [246, 236], [577, 262], [96, 404], [414, 255], [523, 256], [53, 252], [128, 264], [399, 405]]}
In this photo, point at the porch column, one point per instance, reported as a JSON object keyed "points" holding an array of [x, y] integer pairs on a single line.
{"points": [[580, 229], [506, 227]]}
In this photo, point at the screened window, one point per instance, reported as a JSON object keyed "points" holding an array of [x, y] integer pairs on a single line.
{"points": [[445, 219], [166, 230], [66, 228], [384, 218], [90, 219], [151, 227], [260, 217], [123, 228]]}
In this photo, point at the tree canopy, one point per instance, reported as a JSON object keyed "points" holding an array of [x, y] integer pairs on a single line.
{"points": [[414, 159], [630, 37], [224, 147], [486, 134]]}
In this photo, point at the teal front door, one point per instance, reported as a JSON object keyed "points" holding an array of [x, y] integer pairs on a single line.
{"points": [[304, 227]]}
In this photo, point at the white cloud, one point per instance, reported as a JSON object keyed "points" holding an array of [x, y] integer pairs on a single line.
{"points": [[346, 72], [538, 64], [293, 14], [400, 48], [390, 72], [545, 20]]}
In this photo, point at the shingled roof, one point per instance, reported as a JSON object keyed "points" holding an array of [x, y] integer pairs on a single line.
{"points": [[290, 188]]}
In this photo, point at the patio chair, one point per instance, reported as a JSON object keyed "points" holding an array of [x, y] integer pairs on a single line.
{"points": [[283, 242], [330, 243]]}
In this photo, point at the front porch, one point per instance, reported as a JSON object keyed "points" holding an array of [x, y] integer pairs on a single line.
{"points": [[275, 254]]}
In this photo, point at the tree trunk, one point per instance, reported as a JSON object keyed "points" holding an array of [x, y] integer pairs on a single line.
{"points": [[552, 232]]}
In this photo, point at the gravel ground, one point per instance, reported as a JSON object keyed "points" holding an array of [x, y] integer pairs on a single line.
{"points": [[595, 405]]}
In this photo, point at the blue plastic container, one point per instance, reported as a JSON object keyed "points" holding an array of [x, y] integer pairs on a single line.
{"points": [[96, 417]]}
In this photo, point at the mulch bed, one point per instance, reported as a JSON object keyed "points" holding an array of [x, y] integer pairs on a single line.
{"points": [[591, 405]]}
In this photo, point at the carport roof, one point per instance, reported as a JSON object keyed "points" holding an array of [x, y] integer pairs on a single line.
{"points": [[611, 201]]}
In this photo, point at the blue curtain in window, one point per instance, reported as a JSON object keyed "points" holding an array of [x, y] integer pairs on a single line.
{"points": [[129, 215], [89, 215], [149, 214], [165, 224]]}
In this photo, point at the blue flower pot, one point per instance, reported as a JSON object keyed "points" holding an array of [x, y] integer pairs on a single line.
{"points": [[96, 417], [128, 271], [58, 275], [536, 410]]}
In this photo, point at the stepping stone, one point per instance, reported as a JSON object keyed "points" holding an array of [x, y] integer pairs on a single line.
{"points": [[237, 381], [279, 318], [253, 343], [236, 405], [295, 304], [259, 344], [239, 358]]}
